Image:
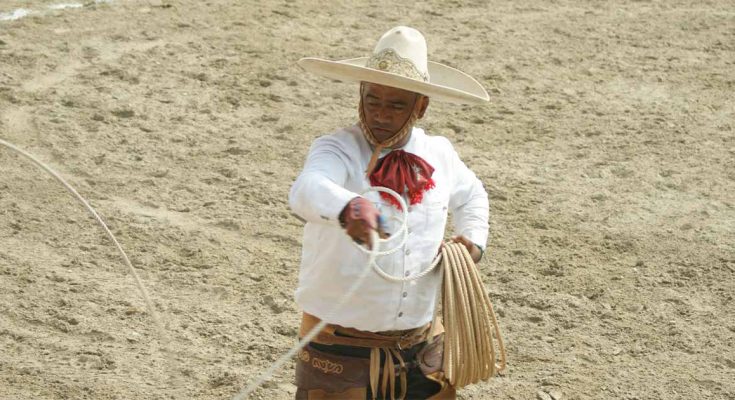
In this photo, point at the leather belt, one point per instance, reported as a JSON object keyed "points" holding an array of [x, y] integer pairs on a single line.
{"points": [[336, 334]]}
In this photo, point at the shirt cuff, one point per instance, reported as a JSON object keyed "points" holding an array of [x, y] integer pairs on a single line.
{"points": [[478, 237], [330, 204], [482, 251]]}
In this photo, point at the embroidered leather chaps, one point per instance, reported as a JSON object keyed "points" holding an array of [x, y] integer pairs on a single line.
{"points": [[346, 364]]}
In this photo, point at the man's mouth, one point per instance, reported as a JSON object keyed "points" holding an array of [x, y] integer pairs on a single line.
{"points": [[381, 130]]}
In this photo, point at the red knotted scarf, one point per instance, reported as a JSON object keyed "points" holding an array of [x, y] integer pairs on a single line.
{"points": [[402, 171]]}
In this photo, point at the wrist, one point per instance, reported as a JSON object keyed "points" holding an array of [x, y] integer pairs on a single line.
{"points": [[482, 252], [343, 214]]}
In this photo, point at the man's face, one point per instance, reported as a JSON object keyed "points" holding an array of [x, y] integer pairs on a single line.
{"points": [[387, 108]]}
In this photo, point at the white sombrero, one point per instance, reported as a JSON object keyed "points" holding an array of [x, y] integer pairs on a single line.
{"points": [[400, 60]]}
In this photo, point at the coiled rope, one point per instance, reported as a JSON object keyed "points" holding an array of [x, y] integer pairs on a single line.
{"points": [[469, 321], [403, 235]]}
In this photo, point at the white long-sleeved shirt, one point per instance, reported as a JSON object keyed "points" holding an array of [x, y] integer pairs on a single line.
{"points": [[333, 175]]}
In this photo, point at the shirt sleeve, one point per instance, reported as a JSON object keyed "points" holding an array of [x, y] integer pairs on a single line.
{"points": [[468, 202], [318, 194]]}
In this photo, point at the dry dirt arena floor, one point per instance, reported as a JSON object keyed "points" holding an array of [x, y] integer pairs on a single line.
{"points": [[608, 152]]}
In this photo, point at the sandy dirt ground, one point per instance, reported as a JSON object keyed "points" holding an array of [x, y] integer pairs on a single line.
{"points": [[608, 152]]}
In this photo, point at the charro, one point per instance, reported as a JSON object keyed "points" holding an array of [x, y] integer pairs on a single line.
{"points": [[388, 337]]}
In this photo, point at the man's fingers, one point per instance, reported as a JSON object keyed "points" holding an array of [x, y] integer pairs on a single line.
{"points": [[359, 217], [471, 248], [461, 239], [359, 231]]}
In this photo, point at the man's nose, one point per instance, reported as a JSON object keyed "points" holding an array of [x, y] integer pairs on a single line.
{"points": [[381, 116]]}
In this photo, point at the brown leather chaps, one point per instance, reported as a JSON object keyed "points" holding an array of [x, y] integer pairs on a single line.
{"points": [[346, 364]]}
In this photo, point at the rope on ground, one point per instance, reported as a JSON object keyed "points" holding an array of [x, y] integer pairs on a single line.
{"points": [[158, 326], [138, 282]]}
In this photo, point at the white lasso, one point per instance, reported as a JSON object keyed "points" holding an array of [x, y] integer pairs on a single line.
{"points": [[373, 253]]}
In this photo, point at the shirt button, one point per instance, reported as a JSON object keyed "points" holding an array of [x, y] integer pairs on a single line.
{"points": [[408, 273], [410, 230], [408, 252], [405, 294], [400, 314]]}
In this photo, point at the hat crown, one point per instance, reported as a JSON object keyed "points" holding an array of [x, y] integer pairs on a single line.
{"points": [[401, 50]]}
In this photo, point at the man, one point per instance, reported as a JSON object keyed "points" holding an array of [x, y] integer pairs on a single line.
{"points": [[381, 344]]}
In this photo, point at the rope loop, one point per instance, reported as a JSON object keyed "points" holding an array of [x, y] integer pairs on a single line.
{"points": [[402, 233], [402, 230]]}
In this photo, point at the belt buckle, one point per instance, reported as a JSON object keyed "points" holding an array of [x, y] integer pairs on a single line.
{"points": [[403, 341]]}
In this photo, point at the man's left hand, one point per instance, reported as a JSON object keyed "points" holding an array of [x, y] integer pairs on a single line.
{"points": [[474, 251]]}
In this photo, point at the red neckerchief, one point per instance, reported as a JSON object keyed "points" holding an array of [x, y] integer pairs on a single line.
{"points": [[403, 172]]}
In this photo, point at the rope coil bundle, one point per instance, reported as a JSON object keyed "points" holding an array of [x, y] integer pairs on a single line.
{"points": [[469, 320]]}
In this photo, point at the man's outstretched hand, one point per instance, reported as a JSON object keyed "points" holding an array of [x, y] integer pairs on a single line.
{"points": [[358, 218], [471, 247]]}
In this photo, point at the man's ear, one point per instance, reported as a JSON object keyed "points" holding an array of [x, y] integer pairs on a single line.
{"points": [[424, 104]]}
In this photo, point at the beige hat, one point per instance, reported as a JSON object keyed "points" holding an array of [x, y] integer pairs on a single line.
{"points": [[399, 60]]}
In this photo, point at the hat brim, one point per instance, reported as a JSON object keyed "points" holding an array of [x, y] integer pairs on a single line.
{"points": [[446, 83]]}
